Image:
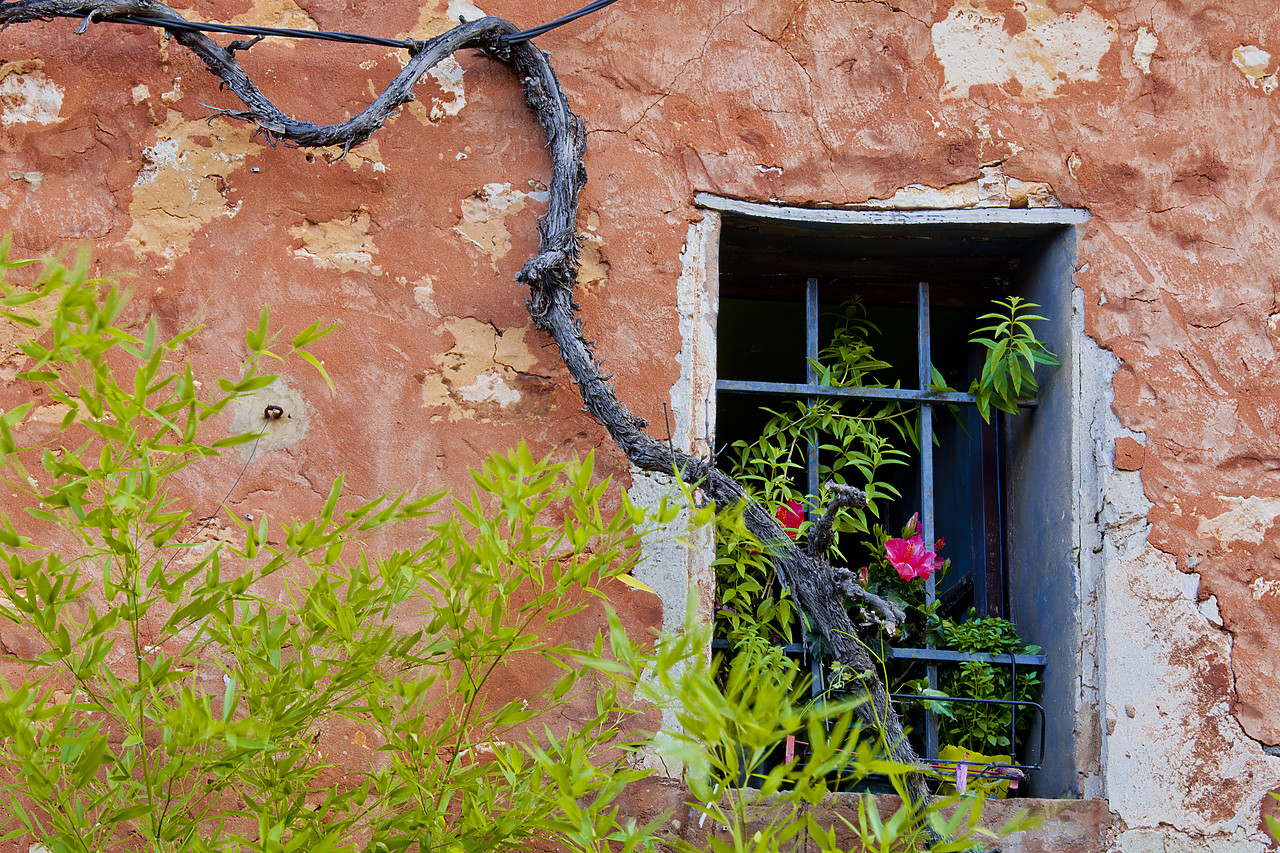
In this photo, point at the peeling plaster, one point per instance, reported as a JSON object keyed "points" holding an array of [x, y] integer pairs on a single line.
{"points": [[277, 13], [1247, 520], [181, 186], [1144, 48], [1253, 63], [482, 367], [31, 179], [464, 9], [593, 269], [1174, 663], [1261, 587], [447, 73], [484, 213], [343, 244], [975, 46], [424, 294], [676, 559], [1162, 682], [990, 189], [28, 95]]}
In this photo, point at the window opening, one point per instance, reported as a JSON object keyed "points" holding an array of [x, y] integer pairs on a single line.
{"points": [[925, 283]]}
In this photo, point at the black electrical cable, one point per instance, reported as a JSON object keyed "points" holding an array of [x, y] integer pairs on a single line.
{"points": [[534, 32], [182, 25], [244, 30]]}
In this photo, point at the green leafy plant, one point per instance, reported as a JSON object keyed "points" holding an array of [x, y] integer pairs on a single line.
{"points": [[1271, 821], [856, 442], [978, 726], [329, 683], [853, 450], [1012, 353], [735, 716]]}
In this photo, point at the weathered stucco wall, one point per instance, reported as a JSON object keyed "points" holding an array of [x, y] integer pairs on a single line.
{"points": [[1157, 116]]}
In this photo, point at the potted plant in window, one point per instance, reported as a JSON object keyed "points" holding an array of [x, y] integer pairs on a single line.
{"points": [[970, 701]]}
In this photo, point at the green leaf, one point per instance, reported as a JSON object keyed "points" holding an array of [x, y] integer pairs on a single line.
{"points": [[256, 339]]}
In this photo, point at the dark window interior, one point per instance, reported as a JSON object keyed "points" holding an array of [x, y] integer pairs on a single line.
{"points": [[774, 273]]}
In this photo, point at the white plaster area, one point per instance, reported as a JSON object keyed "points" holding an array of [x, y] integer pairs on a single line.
{"points": [[1154, 658], [1244, 520], [1179, 769], [692, 397], [448, 73], [1144, 48], [490, 387], [458, 9], [1106, 504], [30, 97], [975, 47], [1255, 64], [676, 558]]}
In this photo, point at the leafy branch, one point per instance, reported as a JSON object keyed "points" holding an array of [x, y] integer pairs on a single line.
{"points": [[1012, 353]]}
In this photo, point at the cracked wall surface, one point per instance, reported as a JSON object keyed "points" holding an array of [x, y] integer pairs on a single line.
{"points": [[1158, 116]]}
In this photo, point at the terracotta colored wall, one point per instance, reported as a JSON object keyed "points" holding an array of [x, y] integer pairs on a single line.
{"points": [[1156, 116]]}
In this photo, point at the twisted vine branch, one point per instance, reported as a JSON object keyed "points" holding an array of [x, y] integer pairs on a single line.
{"points": [[550, 276]]}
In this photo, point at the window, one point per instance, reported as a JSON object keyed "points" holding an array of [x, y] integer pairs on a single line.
{"points": [[999, 492]]}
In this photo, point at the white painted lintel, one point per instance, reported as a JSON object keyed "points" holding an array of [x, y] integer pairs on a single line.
{"points": [[1046, 216]]}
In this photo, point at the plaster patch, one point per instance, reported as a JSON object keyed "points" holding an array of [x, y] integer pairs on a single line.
{"points": [[490, 387], [1144, 48], [32, 179], [343, 244], [448, 74], [1174, 665], [593, 268], [1261, 587], [1253, 63], [482, 367], [51, 414], [1210, 610], [366, 152], [921, 197], [1247, 520], [975, 47], [12, 337], [484, 213], [27, 95], [430, 24], [424, 295], [990, 189], [181, 186], [277, 13], [459, 9], [140, 93], [248, 416]]}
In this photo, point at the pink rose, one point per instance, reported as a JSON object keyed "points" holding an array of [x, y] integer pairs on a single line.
{"points": [[910, 557], [790, 515]]}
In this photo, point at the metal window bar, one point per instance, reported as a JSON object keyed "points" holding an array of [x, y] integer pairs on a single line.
{"points": [[926, 399]]}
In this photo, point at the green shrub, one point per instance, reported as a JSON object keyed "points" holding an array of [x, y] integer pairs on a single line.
{"points": [[204, 698]]}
